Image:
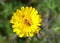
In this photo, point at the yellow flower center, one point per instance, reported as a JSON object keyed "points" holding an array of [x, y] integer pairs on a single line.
{"points": [[27, 21]]}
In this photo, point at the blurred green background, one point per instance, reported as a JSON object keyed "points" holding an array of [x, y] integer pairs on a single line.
{"points": [[50, 29]]}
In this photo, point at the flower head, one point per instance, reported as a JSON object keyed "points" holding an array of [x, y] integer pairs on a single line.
{"points": [[26, 22]]}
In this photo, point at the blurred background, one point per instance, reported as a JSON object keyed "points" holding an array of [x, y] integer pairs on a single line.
{"points": [[50, 29]]}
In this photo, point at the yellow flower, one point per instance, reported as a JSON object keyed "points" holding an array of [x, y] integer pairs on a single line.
{"points": [[26, 22]]}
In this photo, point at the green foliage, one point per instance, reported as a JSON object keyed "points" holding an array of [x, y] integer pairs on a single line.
{"points": [[50, 11]]}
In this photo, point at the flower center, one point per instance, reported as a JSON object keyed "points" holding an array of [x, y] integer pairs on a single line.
{"points": [[27, 22]]}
